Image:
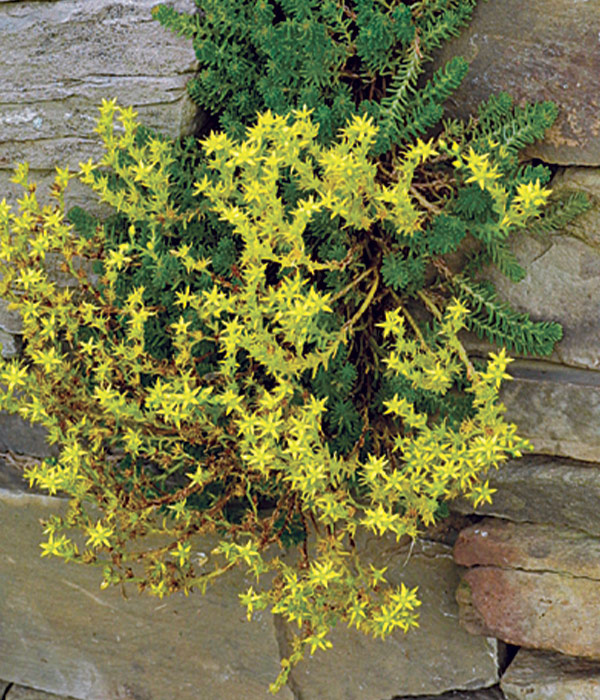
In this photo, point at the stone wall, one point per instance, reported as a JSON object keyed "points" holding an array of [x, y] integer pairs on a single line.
{"points": [[529, 570], [510, 593]]}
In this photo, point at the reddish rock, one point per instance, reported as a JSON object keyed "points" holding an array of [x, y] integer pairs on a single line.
{"points": [[496, 542], [538, 610]]}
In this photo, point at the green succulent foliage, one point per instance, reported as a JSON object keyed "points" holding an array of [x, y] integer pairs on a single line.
{"points": [[497, 322], [364, 57], [334, 58], [560, 211]]}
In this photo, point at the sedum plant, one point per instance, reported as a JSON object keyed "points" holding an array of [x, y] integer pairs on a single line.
{"points": [[263, 344], [231, 441], [339, 59], [368, 58]]}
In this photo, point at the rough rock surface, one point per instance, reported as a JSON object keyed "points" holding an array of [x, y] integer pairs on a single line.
{"points": [[548, 611], [556, 408], [531, 585], [9, 344], [58, 60], [538, 675], [484, 694], [543, 50], [528, 546], [19, 692], [21, 437], [62, 634], [437, 656], [561, 280], [493, 693], [544, 489]]}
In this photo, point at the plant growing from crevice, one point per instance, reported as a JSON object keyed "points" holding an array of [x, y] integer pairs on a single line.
{"points": [[264, 344]]}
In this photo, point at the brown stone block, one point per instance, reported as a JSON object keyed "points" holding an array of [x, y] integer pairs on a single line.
{"points": [[538, 610], [496, 542]]}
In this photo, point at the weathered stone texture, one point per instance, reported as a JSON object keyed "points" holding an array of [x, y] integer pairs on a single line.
{"points": [[531, 585], [436, 657], [9, 344], [484, 694], [556, 408], [543, 50], [538, 610], [60, 633], [544, 490], [562, 271], [19, 692], [58, 60], [20, 436], [528, 546], [538, 675]]}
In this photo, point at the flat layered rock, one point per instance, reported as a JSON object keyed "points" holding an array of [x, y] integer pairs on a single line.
{"points": [[22, 437], [556, 408], [551, 611], [436, 657], [543, 489], [541, 50], [561, 276], [58, 60], [538, 675], [527, 546], [531, 585], [63, 635]]}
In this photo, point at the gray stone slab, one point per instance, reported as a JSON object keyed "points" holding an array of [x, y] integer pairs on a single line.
{"points": [[60, 633], [11, 477], [543, 489], [20, 436], [537, 50], [561, 281], [556, 408], [9, 344], [436, 657], [539, 675], [58, 60]]}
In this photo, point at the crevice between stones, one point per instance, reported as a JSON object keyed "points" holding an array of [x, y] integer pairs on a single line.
{"points": [[281, 637], [6, 691], [566, 574], [554, 372], [506, 655]]}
